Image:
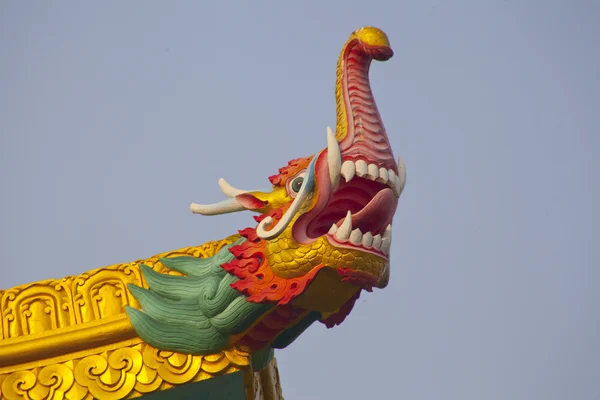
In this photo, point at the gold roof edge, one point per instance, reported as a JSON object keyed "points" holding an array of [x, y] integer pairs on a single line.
{"points": [[65, 340]]}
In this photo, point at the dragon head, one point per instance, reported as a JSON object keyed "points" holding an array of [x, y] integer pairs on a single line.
{"points": [[324, 229]]}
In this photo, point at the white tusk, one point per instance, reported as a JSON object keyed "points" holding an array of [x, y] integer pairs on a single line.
{"points": [[334, 158], [222, 207], [229, 190], [401, 175]]}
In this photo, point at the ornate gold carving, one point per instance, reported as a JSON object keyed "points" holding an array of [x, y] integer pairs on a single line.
{"points": [[98, 294], [36, 308], [124, 373], [101, 293], [70, 339]]}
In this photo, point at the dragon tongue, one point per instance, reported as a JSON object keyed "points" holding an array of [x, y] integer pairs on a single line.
{"points": [[376, 215]]}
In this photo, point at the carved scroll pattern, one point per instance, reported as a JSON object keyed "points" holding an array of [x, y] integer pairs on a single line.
{"points": [[125, 373], [97, 294]]}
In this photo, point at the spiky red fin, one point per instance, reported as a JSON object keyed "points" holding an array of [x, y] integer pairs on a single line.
{"points": [[293, 167], [256, 279]]}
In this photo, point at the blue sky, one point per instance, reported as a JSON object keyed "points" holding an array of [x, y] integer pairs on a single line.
{"points": [[114, 116]]}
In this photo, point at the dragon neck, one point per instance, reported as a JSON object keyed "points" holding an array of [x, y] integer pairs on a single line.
{"points": [[358, 122], [231, 296]]}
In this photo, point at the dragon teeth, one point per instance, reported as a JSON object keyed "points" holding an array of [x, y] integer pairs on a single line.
{"points": [[383, 175], [356, 237], [388, 232], [401, 175], [360, 168], [392, 181], [376, 242], [367, 240], [348, 170], [333, 229], [386, 240], [372, 172], [385, 245], [344, 233]]}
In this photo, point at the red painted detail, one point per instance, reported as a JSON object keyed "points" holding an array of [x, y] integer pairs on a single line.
{"points": [[276, 214], [257, 280], [250, 202], [271, 325], [380, 53], [366, 137], [261, 333], [362, 279], [293, 167], [251, 343], [339, 317], [371, 203], [248, 233]]}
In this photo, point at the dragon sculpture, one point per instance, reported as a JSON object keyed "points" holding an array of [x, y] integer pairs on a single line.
{"points": [[323, 235]]}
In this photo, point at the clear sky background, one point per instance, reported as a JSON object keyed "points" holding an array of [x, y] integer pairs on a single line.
{"points": [[115, 116]]}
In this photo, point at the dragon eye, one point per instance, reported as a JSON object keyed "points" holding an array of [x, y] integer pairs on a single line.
{"points": [[297, 184], [294, 185]]}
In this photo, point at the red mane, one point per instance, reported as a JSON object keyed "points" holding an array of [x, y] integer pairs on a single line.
{"points": [[257, 280], [289, 170]]}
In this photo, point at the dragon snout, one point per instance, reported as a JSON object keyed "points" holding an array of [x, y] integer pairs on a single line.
{"points": [[382, 53]]}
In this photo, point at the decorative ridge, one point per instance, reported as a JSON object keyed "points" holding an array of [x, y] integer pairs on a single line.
{"points": [[43, 319]]}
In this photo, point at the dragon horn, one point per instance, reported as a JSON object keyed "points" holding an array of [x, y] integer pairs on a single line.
{"points": [[229, 190], [222, 207]]}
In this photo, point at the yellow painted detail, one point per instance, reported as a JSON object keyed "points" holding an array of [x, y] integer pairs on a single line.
{"points": [[277, 198], [290, 259], [327, 293], [372, 36], [126, 372]]}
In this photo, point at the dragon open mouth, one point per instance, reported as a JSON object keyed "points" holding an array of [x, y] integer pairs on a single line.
{"points": [[359, 212], [371, 206], [359, 182]]}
